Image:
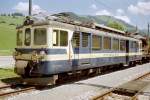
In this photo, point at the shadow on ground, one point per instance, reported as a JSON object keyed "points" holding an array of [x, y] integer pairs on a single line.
{"points": [[12, 80]]}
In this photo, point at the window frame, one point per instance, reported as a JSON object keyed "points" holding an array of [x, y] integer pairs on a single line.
{"points": [[34, 36], [100, 42], [124, 49], [83, 40], [25, 37], [22, 43], [110, 38], [54, 29], [118, 44], [77, 45]]}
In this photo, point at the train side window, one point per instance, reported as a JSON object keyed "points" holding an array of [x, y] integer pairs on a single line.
{"points": [[60, 38], [19, 38], [85, 39], [96, 42], [122, 45], [76, 40], [27, 37], [136, 45], [140, 45], [115, 44], [63, 38], [107, 43], [133, 44], [40, 36], [55, 37]]}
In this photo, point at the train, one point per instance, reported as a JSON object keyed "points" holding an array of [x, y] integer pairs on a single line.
{"points": [[54, 47]]}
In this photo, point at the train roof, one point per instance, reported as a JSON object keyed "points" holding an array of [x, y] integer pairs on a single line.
{"points": [[44, 21], [74, 25]]}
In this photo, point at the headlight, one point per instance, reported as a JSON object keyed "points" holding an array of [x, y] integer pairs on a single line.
{"points": [[42, 54]]}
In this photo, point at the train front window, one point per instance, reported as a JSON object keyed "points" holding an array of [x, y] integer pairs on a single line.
{"points": [[27, 37], [19, 38], [40, 36]]}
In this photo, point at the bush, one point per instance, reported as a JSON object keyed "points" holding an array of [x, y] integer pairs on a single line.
{"points": [[2, 22], [12, 24], [17, 14]]}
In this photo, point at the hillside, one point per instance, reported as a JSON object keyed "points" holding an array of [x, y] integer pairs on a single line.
{"points": [[8, 33], [103, 19], [9, 23]]}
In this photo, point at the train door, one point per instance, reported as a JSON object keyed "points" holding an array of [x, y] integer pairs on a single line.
{"points": [[127, 52], [85, 49], [76, 49]]}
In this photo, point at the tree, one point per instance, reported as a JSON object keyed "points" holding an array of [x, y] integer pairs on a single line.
{"points": [[17, 14], [116, 25]]}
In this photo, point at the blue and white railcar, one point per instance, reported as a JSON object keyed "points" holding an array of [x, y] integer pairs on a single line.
{"points": [[50, 47]]}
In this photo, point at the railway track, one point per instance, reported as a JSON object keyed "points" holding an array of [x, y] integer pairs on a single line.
{"points": [[15, 89], [128, 91], [11, 90]]}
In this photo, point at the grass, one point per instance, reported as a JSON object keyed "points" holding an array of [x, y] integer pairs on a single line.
{"points": [[6, 52], [7, 73], [8, 33]]}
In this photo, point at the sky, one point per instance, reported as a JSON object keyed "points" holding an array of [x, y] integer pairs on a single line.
{"points": [[134, 12]]}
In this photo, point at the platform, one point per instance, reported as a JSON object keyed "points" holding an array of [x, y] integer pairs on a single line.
{"points": [[87, 89]]}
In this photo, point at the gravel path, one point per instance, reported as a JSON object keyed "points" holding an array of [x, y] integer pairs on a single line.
{"points": [[6, 62]]}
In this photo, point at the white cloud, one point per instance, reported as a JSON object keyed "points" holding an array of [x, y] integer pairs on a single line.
{"points": [[124, 18], [21, 7], [93, 6], [142, 8], [24, 7], [120, 14], [120, 11], [103, 12]]}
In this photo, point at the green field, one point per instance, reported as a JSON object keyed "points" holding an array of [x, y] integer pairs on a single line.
{"points": [[7, 73], [8, 33]]}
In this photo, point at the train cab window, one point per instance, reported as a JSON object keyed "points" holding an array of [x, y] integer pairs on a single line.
{"points": [[63, 38], [19, 38], [60, 38], [115, 44], [96, 42], [40, 36], [55, 37], [122, 45], [76, 40], [27, 37], [107, 43], [85, 39]]}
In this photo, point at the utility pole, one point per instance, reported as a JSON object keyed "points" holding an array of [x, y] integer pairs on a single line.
{"points": [[30, 7], [148, 29], [148, 36]]}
